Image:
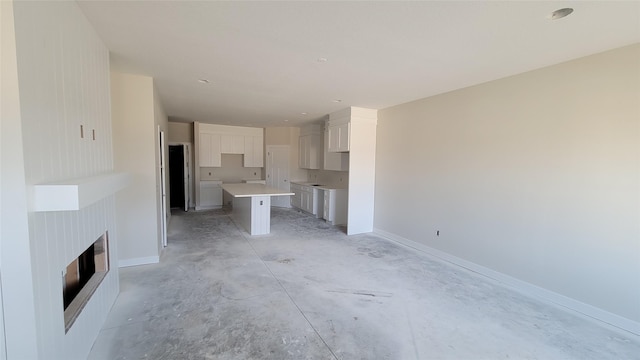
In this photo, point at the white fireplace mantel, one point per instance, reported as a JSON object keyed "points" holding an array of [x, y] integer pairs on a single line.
{"points": [[75, 194]]}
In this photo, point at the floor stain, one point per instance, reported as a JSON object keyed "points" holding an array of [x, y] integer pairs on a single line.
{"points": [[362, 292]]}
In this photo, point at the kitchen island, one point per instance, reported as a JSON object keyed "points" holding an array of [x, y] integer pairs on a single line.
{"points": [[252, 206]]}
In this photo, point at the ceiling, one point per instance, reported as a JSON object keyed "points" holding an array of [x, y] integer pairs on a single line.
{"points": [[288, 63]]}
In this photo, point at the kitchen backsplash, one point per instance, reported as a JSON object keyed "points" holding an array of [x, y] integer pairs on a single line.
{"points": [[338, 179], [231, 170]]}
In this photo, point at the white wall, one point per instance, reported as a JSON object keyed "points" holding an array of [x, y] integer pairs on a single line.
{"points": [[63, 80], [180, 132], [362, 170], [18, 303], [135, 151], [534, 176], [161, 123]]}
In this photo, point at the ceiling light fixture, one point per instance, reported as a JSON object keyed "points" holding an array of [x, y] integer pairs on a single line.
{"points": [[203, 81], [322, 60], [337, 101], [304, 113], [560, 13]]}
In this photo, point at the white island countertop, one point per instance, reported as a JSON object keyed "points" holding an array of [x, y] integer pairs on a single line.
{"points": [[250, 190]]}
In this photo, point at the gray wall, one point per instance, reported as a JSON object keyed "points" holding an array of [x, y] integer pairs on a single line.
{"points": [[535, 176]]}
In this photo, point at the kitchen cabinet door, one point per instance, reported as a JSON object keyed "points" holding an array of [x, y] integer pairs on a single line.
{"points": [[296, 199], [309, 151], [339, 137], [232, 144], [334, 160], [258, 151], [333, 138], [306, 201], [335, 206], [343, 137], [210, 194], [329, 213], [253, 151], [314, 151], [303, 149], [209, 150]]}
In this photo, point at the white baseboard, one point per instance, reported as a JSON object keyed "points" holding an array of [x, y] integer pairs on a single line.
{"points": [[522, 286], [198, 208], [139, 261]]}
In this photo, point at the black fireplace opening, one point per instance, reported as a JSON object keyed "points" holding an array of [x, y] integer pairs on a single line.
{"points": [[82, 277]]}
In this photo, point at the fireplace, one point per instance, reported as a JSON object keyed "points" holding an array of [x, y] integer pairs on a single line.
{"points": [[82, 277]]}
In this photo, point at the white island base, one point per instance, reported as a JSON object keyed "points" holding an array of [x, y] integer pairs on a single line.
{"points": [[253, 214], [252, 206]]}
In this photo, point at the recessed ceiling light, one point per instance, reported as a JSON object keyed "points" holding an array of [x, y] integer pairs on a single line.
{"points": [[286, 121], [304, 113], [560, 13], [322, 59], [203, 81], [337, 101]]}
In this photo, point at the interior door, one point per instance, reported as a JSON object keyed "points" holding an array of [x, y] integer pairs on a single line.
{"points": [[278, 173]]}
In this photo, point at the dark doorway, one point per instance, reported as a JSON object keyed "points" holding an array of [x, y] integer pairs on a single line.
{"points": [[176, 176]]}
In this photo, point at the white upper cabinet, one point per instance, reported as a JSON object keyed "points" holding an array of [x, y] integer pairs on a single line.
{"points": [[310, 147], [215, 140], [338, 137], [209, 150], [232, 144], [338, 161], [253, 151]]}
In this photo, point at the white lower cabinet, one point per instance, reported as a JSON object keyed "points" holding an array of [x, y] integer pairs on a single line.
{"points": [[306, 198], [210, 194], [335, 206], [296, 199], [328, 204]]}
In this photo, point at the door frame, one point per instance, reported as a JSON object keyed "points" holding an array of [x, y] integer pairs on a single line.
{"points": [[163, 186]]}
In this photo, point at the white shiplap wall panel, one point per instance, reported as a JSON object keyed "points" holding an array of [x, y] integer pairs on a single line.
{"points": [[63, 75]]}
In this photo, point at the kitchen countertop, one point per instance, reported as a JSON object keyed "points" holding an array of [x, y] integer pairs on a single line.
{"points": [[249, 190], [321, 186]]}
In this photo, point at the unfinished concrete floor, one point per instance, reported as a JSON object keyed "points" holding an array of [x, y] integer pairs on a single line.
{"points": [[307, 291]]}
